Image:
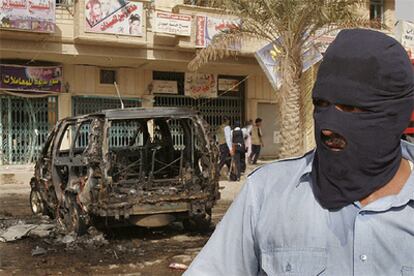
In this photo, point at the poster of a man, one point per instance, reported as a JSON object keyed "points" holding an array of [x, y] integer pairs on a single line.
{"points": [[94, 12], [114, 17], [135, 24]]}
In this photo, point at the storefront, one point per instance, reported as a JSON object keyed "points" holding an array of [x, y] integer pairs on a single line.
{"points": [[28, 108], [90, 104], [222, 96]]}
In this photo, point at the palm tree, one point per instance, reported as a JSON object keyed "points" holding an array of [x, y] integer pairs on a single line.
{"points": [[290, 25]]}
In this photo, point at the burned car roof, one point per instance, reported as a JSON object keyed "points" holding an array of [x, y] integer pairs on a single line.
{"points": [[142, 112]]}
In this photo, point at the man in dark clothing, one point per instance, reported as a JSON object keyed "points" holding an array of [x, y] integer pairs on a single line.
{"points": [[238, 151], [224, 140]]}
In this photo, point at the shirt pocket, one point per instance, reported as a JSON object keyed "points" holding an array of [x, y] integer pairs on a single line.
{"points": [[407, 271], [294, 261]]}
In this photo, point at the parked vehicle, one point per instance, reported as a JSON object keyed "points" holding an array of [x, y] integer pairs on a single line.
{"points": [[143, 166]]}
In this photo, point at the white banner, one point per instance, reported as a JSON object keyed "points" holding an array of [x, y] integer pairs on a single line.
{"points": [[171, 23], [114, 17], [407, 37], [164, 87], [200, 85], [228, 85]]}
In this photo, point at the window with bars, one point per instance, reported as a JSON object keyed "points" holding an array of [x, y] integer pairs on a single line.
{"points": [[376, 11], [107, 76]]}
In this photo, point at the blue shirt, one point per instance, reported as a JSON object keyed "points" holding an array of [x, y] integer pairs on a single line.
{"points": [[276, 227]]}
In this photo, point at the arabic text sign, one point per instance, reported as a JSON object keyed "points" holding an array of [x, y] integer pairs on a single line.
{"points": [[114, 17], [209, 27], [200, 85], [171, 23], [228, 85], [30, 15], [407, 39], [30, 78], [164, 87]]}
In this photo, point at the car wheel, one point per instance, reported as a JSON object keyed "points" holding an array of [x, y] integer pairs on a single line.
{"points": [[198, 223], [36, 203]]}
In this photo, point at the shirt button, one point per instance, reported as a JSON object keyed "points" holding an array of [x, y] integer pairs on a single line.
{"points": [[363, 257]]}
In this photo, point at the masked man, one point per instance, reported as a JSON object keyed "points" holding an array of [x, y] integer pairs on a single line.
{"points": [[346, 208]]}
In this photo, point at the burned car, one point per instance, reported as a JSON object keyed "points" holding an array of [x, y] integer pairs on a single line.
{"points": [[141, 166]]}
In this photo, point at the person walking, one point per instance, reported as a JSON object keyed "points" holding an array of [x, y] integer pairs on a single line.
{"points": [[238, 152], [223, 136], [247, 130], [257, 142]]}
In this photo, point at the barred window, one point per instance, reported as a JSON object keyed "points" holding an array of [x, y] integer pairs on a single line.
{"points": [[107, 76]]}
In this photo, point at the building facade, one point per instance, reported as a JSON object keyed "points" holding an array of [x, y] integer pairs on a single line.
{"points": [[94, 51], [80, 56]]}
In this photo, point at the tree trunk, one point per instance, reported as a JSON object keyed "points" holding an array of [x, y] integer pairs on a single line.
{"points": [[290, 107]]}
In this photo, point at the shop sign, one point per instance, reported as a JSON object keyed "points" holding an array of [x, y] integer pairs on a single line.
{"points": [[198, 85], [228, 85], [30, 78], [28, 15], [114, 17], [164, 87], [171, 23], [323, 39], [407, 38], [268, 58], [209, 27]]}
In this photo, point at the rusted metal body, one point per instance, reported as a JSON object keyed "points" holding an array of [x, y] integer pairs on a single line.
{"points": [[126, 165]]}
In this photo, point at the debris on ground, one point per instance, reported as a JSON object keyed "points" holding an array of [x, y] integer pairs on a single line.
{"points": [[38, 251], [16, 232], [42, 230], [68, 239], [178, 266], [185, 259]]}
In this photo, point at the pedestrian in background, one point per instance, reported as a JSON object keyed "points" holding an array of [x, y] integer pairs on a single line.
{"points": [[238, 151], [247, 130], [257, 141], [223, 136]]}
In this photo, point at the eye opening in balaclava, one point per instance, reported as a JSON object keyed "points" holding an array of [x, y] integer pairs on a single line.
{"points": [[363, 93]]}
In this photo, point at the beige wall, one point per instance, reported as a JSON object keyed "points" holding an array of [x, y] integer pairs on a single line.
{"points": [[258, 90]]}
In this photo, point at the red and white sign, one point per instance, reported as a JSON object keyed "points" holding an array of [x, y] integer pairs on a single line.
{"points": [[209, 27], [201, 31], [172, 23], [198, 85]]}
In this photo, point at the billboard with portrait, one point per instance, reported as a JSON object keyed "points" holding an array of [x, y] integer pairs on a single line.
{"points": [[114, 17], [28, 15]]}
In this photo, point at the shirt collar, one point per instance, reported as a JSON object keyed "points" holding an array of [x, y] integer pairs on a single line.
{"points": [[402, 198]]}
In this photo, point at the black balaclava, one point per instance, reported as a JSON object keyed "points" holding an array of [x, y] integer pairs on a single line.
{"points": [[369, 70]]}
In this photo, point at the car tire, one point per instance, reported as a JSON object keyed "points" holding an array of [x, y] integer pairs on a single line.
{"points": [[199, 224]]}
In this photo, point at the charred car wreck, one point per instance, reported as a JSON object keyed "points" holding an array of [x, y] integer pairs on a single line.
{"points": [[147, 167]]}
